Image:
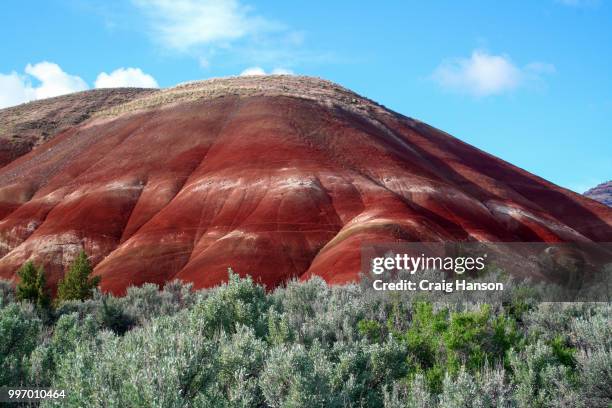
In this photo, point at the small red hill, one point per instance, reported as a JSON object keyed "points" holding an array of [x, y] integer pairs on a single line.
{"points": [[601, 193]]}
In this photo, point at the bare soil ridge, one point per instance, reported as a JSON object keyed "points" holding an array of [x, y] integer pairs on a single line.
{"points": [[28, 125]]}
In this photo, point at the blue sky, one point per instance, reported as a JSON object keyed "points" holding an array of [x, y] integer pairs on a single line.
{"points": [[528, 81]]}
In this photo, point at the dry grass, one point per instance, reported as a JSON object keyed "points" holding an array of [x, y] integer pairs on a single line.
{"points": [[26, 126], [318, 90]]}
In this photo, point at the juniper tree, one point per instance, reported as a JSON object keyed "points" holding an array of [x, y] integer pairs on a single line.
{"points": [[77, 283], [32, 285]]}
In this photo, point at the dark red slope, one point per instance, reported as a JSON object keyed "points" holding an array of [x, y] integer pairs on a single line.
{"points": [[274, 184]]}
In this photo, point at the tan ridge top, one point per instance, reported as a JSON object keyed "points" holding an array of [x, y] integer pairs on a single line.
{"points": [[319, 90]]}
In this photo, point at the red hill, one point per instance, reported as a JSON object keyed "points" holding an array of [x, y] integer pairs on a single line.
{"points": [[275, 176]]}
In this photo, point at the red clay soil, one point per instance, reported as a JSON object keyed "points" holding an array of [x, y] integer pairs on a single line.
{"points": [[273, 184]]}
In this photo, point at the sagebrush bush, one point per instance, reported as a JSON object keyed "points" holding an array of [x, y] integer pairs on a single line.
{"points": [[7, 293], [541, 376], [239, 302], [595, 368], [307, 345], [68, 332], [20, 329]]}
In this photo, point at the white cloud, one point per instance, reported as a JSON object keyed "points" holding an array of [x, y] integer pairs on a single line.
{"points": [[282, 71], [261, 71], [483, 74], [227, 30], [253, 71], [46, 79], [53, 81], [14, 89], [125, 77], [184, 24]]}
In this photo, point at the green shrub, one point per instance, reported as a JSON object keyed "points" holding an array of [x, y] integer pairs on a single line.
{"points": [[162, 364], [68, 332], [7, 292], [424, 341], [239, 362], [443, 341], [112, 317], [20, 329], [370, 329], [239, 302], [487, 389], [595, 377], [539, 375], [136, 308], [279, 329], [307, 344], [415, 394], [592, 331], [296, 376]]}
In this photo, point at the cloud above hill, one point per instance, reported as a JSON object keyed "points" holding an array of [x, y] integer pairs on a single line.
{"points": [[52, 81], [47, 79], [125, 77], [261, 71], [183, 24], [484, 74], [231, 31]]}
